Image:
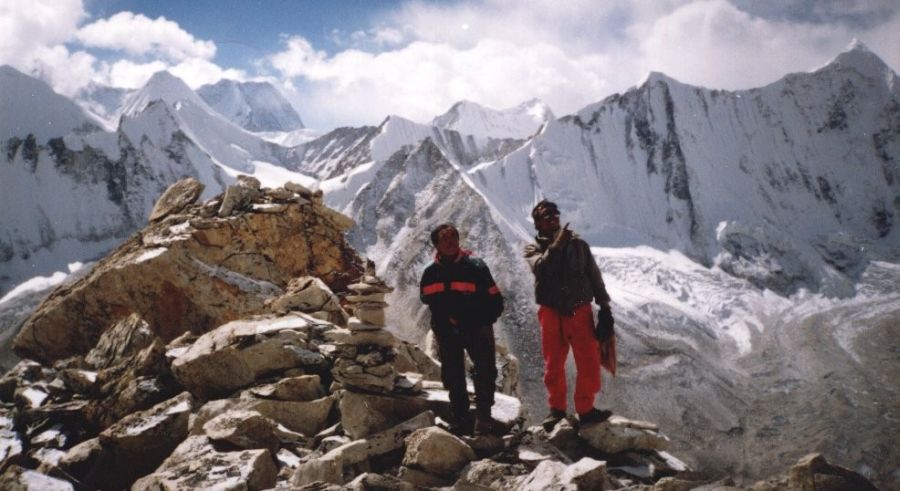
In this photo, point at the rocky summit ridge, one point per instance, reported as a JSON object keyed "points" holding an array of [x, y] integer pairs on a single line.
{"points": [[241, 343]]}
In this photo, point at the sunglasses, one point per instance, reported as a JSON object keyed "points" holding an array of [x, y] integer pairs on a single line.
{"points": [[549, 214]]}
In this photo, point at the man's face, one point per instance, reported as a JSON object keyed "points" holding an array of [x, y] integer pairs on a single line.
{"points": [[448, 243], [547, 221]]}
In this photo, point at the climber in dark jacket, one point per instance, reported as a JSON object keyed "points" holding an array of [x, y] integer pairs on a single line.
{"points": [[465, 302], [566, 279]]}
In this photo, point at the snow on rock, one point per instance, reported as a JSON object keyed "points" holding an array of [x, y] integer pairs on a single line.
{"points": [[254, 106], [29, 106], [469, 118]]}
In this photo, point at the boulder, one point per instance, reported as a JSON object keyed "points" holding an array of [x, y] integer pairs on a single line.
{"points": [[369, 481], [307, 418], [813, 472], [370, 313], [548, 475], [239, 470], [588, 473], [488, 474], [12, 447], [331, 466], [232, 356], [365, 414], [411, 358], [141, 440], [126, 338], [301, 388], [78, 380], [618, 434], [47, 459], [421, 479], [306, 294], [243, 429], [18, 479], [84, 460], [186, 272], [239, 196], [22, 373], [135, 383], [176, 198], [325, 469], [379, 337], [507, 410], [437, 452]]}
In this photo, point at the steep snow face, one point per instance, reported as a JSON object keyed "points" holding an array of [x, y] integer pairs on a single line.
{"points": [[74, 198], [254, 106], [104, 102], [782, 184], [228, 145], [345, 150], [162, 86], [469, 118], [29, 106]]}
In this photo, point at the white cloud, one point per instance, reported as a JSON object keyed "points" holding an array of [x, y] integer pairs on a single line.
{"points": [[194, 72], [712, 43], [499, 54], [130, 75], [43, 38], [140, 35], [27, 26], [424, 79], [32, 33]]}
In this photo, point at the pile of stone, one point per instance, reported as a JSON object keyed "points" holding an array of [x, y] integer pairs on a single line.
{"points": [[366, 351], [270, 392]]}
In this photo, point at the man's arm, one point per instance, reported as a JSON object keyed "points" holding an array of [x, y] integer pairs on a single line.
{"points": [[542, 263], [493, 298], [593, 272]]}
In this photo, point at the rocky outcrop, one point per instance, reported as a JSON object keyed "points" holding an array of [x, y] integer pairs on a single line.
{"points": [[285, 390], [193, 271]]}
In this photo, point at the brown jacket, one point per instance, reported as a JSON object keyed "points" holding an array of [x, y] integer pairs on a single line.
{"points": [[567, 277]]}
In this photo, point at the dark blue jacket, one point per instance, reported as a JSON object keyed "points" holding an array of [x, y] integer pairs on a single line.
{"points": [[461, 293]]}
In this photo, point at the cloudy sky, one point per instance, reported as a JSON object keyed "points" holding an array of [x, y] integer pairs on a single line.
{"points": [[352, 62]]}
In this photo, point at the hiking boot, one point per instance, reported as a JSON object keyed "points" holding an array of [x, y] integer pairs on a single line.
{"points": [[462, 426], [594, 416], [555, 416], [487, 425]]}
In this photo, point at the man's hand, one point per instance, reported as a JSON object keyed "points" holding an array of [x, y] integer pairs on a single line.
{"points": [[562, 237], [605, 323]]}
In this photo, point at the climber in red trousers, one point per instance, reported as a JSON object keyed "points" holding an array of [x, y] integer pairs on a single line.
{"points": [[566, 279]]}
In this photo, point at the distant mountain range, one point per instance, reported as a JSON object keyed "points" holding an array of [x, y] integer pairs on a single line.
{"points": [[727, 223]]}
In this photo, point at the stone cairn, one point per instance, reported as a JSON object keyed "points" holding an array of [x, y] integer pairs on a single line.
{"points": [[365, 352]]}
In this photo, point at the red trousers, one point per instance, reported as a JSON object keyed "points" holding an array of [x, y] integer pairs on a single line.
{"points": [[558, 332]]}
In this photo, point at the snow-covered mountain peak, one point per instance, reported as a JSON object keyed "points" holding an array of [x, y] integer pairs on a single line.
{"points": [[161, 86], [860, 58], [254, 106], [470, 118], [29, 106], [654, 78]]}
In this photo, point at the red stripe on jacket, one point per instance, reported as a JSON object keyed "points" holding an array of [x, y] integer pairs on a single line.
{"points": [[432, 288], [463, 286]]}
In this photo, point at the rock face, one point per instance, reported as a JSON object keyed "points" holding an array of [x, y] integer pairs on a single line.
{"points": [[235, 383], [194, 271]]}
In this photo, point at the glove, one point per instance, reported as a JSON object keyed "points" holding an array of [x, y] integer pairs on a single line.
{"points": [[605, 323]]}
